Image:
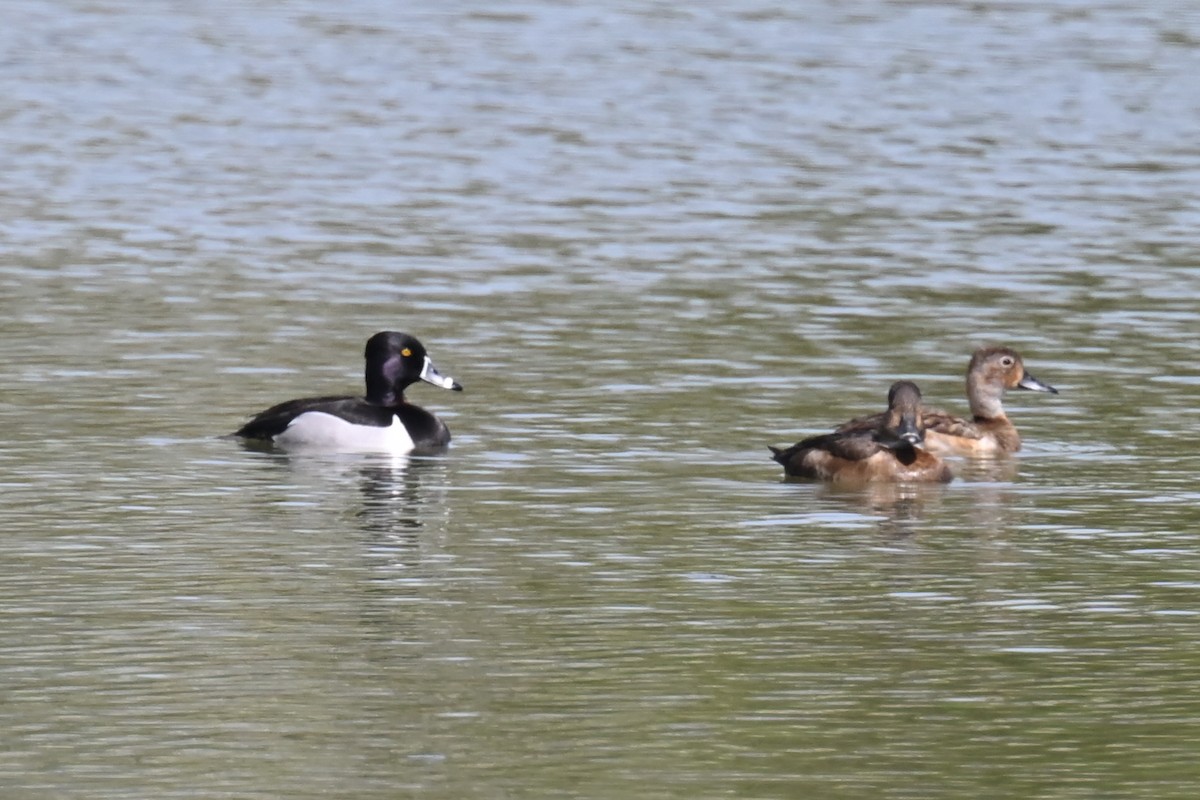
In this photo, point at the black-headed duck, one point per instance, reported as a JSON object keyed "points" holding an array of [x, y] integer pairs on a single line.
{"points": [[992, 371], [379, 422], [889, 452]]}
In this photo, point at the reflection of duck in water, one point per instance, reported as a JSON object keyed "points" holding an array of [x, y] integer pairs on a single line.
{"points": [[902, 506], [888, 452], [992, 371], [401, 516], [382, 421], [391, 496]]}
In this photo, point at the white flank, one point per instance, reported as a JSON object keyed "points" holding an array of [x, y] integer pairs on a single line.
{"points": [[316, 430]]}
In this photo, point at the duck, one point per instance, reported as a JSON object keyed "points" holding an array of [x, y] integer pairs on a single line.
{"points": [[889, 452], [992, 371], [382, 421]]}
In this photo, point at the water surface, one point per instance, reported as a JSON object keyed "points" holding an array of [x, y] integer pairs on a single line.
{"points": [[650, 241]]}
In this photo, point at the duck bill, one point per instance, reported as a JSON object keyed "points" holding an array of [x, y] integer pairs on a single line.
{"points": [[429, 374], [908, 431], [1034, 385]]}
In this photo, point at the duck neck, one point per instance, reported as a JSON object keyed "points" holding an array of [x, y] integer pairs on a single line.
{"points": [[985, 399], [382, 392]]}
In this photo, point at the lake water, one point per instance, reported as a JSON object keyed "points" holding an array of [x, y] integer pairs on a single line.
{"points": [[649, 240]]}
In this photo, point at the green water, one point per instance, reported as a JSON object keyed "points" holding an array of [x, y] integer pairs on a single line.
{"points": [[649, 241]]}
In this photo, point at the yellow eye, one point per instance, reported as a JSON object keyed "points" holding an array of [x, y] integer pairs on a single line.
{"points": [[406, 352]]}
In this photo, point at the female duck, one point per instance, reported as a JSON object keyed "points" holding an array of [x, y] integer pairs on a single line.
{"points": [[992, 371], [381, 422], [887, 453]]}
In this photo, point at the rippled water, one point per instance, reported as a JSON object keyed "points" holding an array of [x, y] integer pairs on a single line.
{"points": [[650, 240]]}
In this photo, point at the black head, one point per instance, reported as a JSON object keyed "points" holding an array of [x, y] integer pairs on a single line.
{"points": [[395, 361]]}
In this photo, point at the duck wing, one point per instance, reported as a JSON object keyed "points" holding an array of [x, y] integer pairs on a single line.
{"points": [[849, 446], [871, 422], [948, 424]]}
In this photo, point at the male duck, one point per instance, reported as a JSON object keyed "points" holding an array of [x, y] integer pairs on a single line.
{"points": [[992, 371], [380, 422], [887, 453]]}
